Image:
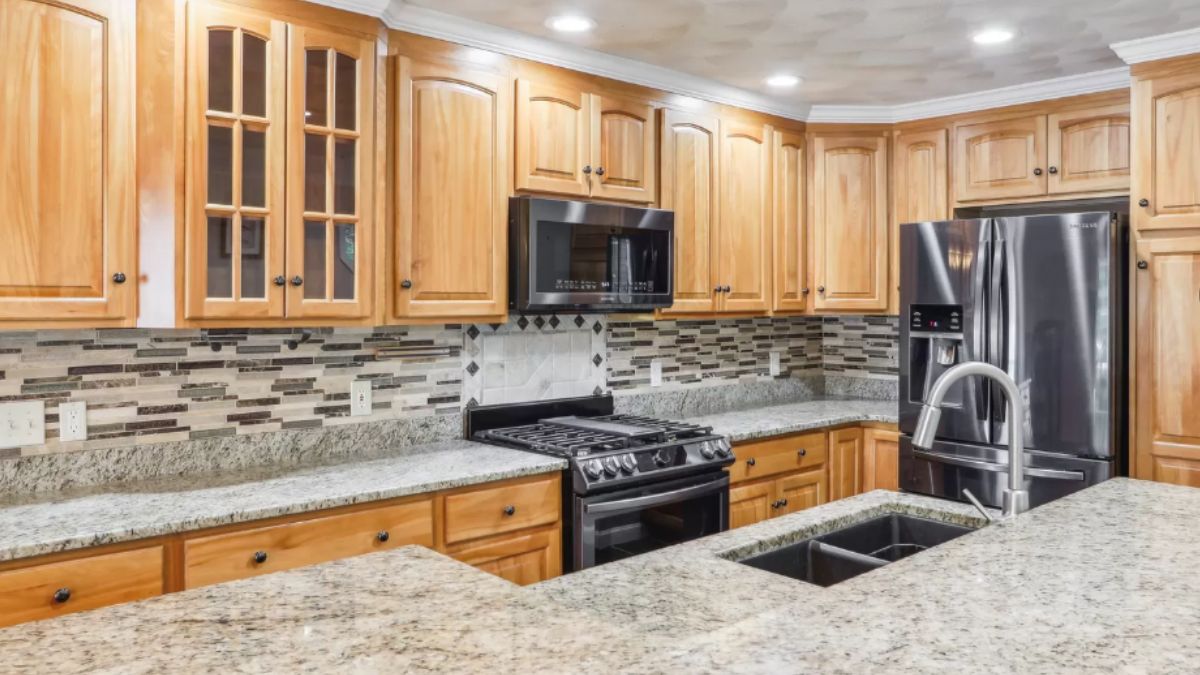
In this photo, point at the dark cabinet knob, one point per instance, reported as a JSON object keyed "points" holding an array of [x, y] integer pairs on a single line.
{"points": [[119, 277], [1037, 172], [1053, 169], [599, 171], [383, 536], [802, 452], [587, 169], [297, 280], [805, 291], [718, 289], [783, 502], [407, 283], [821, 289], [280, 280], [62, 595], [751, 462], [260, 557], [1143, 203], [728, 288], [1142, 264], [775, 504], [510, 510]]}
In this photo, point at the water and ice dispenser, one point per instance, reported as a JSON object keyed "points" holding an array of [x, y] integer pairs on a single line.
{"points": [[935, 344]]}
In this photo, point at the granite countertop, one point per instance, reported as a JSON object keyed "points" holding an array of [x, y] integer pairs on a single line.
{"points": [[1102, 580], [92, 517], [776, 420]]}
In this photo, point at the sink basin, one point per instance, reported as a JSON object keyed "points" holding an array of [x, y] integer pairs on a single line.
{"points": [[846, 553]]}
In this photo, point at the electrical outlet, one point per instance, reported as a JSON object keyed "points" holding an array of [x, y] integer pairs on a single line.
{"points": [[72, 421], [360, 398], [22, 423], [656, 373], [775, 367]]}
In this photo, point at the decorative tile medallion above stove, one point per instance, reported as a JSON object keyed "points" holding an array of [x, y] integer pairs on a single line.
{"points": [[533, 358]]}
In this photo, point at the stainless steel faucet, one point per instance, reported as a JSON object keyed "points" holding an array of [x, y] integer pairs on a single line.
{"points": [[1016, 499]]}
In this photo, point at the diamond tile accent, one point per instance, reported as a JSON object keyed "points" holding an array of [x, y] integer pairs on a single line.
{"points": [[579, 321], [539, 321], [597, 359], [553, 322], [523, 323], [473, 368], [597, 328], [472, 332]]}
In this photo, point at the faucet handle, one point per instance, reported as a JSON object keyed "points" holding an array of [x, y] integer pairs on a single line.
{"points": [[975, 501]]}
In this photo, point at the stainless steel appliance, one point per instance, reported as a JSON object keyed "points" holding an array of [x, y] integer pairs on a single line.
{"points": [[633, 484], [1042, 297], [566, 255]]}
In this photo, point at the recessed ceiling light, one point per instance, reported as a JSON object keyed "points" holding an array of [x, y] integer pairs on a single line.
{"points": [[783, 81], [571, 23], [992, 36]]}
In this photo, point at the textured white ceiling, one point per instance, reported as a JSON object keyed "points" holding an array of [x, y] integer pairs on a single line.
{"points": [[851, 51]]}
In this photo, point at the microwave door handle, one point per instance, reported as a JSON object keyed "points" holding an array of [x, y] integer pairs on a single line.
{"points": [[658, 499], [1057, 474]]}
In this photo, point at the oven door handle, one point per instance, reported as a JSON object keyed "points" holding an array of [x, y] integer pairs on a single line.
{"points": [[658, 500], [1057, 474]]}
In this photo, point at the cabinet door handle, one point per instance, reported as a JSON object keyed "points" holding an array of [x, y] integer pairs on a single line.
{"points": [[775, 504], [1053, 169], [805, 291], [119, 278], [1037, 172], [728, 288], [599, 171], [751, 462], [802, 452], [587, 169], [406, 284], [280, 280], [510, 510], [260, 557], [821, 290], [1143, 203], [783, 502], [297, 280], [383, 536], [1142, 264], [62, 595]]}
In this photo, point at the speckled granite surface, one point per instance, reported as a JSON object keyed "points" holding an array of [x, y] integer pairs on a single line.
{"points": [[1101, 581], [70, 520], [746, 425]]}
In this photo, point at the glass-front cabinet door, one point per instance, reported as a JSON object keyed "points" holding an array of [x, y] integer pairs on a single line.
{"points": [[329, 176], [235, 166]]}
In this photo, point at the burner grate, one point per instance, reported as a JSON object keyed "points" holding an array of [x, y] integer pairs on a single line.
{"points": [[572, 437]]}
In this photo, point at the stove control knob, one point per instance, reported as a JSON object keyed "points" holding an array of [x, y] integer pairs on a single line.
{"points": [[610, 466], [708, 449], [664, 456], [628, 463], [593, 468], [723, 447]]}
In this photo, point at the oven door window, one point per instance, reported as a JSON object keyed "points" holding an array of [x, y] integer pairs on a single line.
{"points": [[574, 257], [624, 533]]}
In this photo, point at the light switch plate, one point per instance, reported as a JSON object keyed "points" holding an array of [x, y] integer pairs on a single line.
{"points": [[22, 423], [72, 421], [656, 373], [360, 398], [775, 367]]}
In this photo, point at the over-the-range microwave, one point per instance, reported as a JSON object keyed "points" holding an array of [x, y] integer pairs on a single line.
{"points": [[580, 256]]}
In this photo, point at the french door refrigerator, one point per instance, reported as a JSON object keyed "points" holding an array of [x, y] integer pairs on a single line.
{"points": [[1042, 297]]}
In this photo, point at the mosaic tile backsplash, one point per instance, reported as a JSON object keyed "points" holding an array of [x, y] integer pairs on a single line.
{"points": [[144, 387]]}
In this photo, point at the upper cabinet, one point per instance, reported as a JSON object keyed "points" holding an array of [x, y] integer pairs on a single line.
{"points": [[1000, 160], [920, 187], [452, 187], [68, 246], [1166, 163], [744, 236], [850, 221], [279, 171], [578, 144], [1088, 150], [791, 286], [690, 188]]}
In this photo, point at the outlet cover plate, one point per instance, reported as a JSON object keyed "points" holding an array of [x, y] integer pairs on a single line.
{"points": [[22, 423], [360, 398], [72, 421], [775, 367], [656, 373]]}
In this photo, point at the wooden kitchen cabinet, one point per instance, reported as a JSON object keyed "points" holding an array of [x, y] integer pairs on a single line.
{"points": [[850, 221], [845, 462], [1002, 159], [578, 144], [803, 490], [1166, 145], [744, 234], [920, 191], [777, 476], [881, 460], [690, 169], [791, 287], [504, 508], [523, 558], [453, 138], [68, 246], [1088, 150], [56, 588], [781, 454], [751, 503], [1166, 361], [279, 168]]}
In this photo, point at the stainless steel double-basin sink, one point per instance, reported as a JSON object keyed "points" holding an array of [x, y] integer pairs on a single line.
{"points": [[845, 553]]}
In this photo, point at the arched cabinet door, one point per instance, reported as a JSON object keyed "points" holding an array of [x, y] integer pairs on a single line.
{"points": [[552, 138], [744, 235], [330, 114], [1166, 159], [793, 289], [691, 151], [622, 149], [68, 247], [1089, 150], [236, 78]]}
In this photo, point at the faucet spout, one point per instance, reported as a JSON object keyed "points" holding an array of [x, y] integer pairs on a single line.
{"points": [[1016, 499]]}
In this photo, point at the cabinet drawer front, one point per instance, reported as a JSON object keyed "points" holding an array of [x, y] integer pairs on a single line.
{"points": [[777, 455], [504, 508], [29, 594], [248, 553]]}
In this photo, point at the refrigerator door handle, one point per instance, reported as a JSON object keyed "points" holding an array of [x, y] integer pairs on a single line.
{"points": [[1033, 472], [981, 340], [998, 323]]}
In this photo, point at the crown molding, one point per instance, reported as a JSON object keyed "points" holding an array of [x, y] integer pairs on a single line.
{"points": [[431, 23], [1043, 90], [374, 8], [1158, 47]]}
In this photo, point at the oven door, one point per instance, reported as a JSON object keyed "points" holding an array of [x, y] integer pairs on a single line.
{"points": [[621, 524]]}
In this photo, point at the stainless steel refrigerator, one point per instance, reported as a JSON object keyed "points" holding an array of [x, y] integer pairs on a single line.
{"points": [[1044, 298]]}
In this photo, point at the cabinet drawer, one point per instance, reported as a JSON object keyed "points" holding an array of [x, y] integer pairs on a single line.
{"points": [[33, 593], [248, 553], [778, 455], [503, 508]]}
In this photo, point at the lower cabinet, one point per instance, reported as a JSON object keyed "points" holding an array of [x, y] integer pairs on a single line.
{"points": [[881, 460], [845, 462], [526, 557]]}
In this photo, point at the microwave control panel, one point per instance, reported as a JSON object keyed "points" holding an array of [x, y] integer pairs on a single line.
{"points": [[936, 318]]}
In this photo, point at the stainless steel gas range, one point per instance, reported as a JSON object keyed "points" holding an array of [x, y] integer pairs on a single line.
{"points": [[634, 484]]}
